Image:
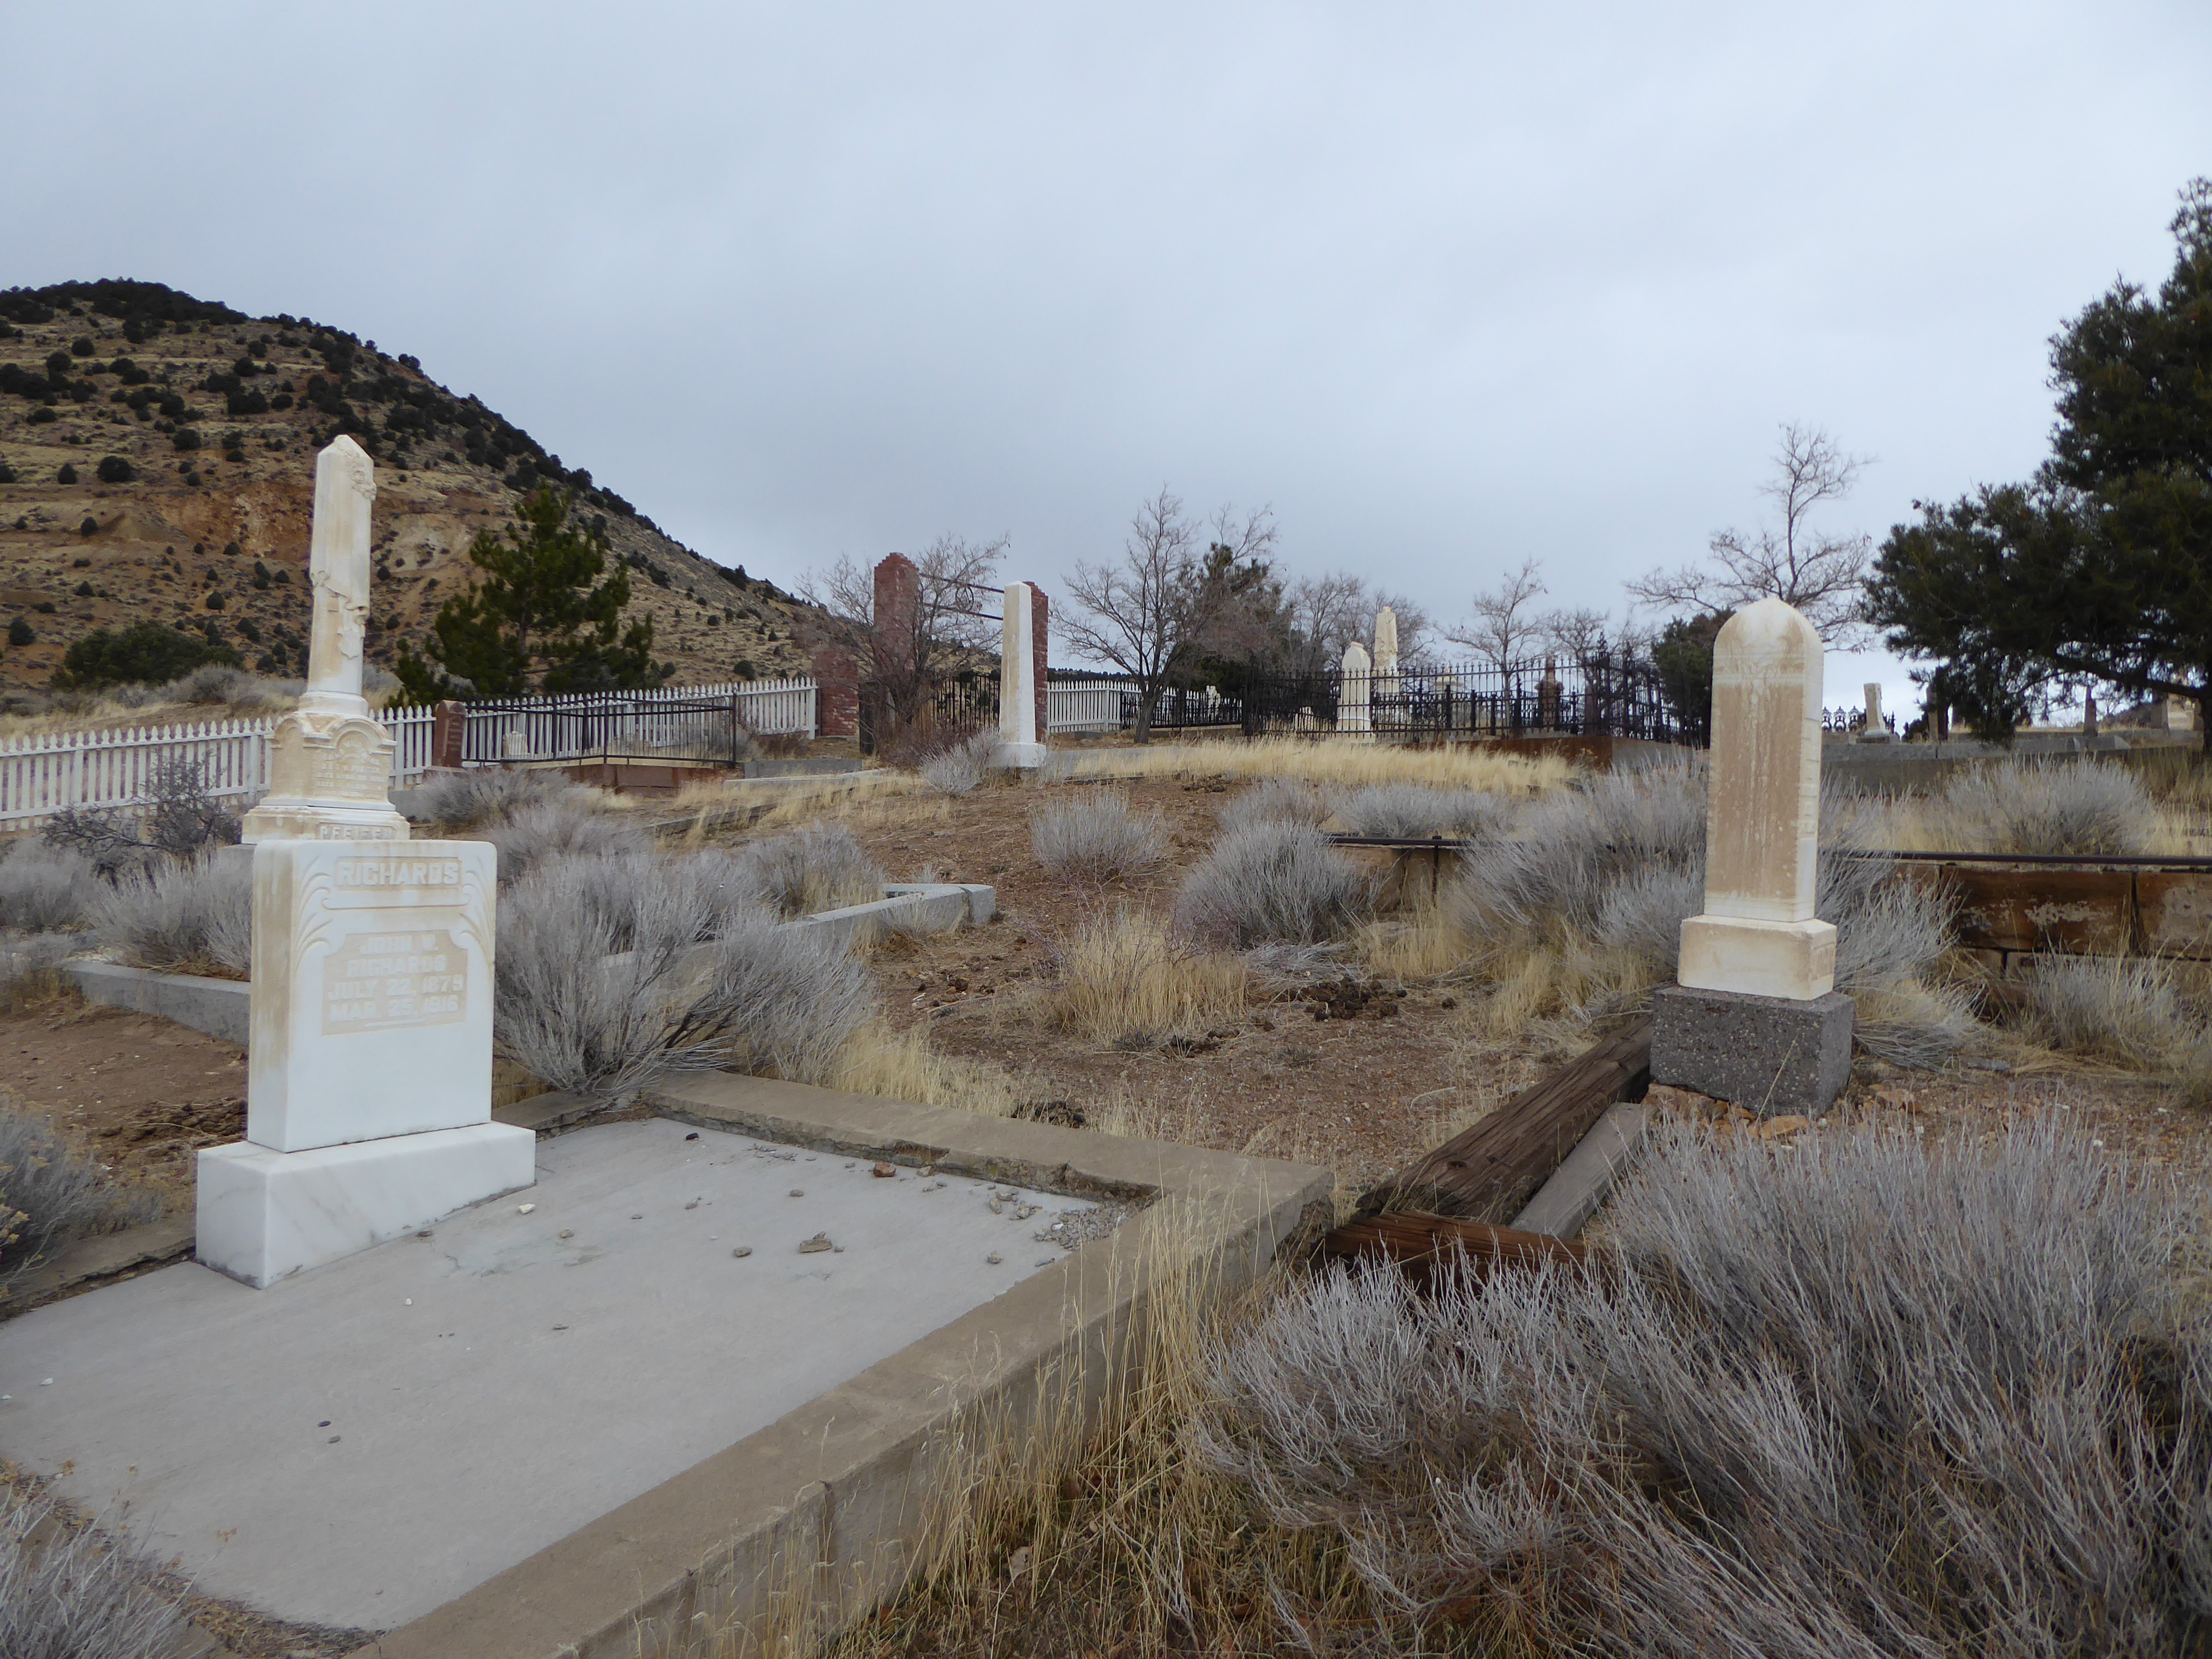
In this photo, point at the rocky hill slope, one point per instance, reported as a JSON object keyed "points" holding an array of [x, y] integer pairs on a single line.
{"points": [[157, 463]]}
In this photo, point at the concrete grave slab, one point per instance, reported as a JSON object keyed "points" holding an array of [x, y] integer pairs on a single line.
{"points": [[366, 1443]]}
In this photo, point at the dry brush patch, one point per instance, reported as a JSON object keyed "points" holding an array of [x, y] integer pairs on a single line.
{"points": [[1334, 761], [1123, 977]]}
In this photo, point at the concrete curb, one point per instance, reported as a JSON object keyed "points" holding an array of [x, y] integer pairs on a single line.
{"points": [[94, 1261], [223, 1007], [809, 1523], [1564, 1205]]}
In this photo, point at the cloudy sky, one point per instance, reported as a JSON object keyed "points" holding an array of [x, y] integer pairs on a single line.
{"points": [[1448, 285]]}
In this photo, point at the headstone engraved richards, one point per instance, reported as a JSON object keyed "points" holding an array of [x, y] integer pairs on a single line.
{"points": [[1021, 676], [368, 1067], [1756, 1018]]}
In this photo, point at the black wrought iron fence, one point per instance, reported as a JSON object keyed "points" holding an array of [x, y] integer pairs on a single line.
{"points": [[1602, 695]]}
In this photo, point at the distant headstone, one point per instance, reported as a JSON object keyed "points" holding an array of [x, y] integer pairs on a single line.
{"points": [[1550, 697], [1353, 696], [330, 764], [1386, 708], [1876, 730], [1022, 635], [1756, 1018]]}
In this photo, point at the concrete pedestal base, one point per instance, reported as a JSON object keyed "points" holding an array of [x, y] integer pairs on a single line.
{"points": [[1025, 756], [1770, 1055], [265, 1215]]}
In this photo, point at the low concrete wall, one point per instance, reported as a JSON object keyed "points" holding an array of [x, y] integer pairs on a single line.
{"points": [[815, 1520], [218, 1006]]}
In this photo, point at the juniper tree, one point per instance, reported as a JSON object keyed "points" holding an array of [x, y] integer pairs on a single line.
{"points": [[2098, 569], [542, 619]]}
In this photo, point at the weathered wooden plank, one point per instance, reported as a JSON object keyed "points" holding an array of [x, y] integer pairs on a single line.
{"points": [[2174, 913], [1486, 1173], [2078, 912], [1422, 1246]]}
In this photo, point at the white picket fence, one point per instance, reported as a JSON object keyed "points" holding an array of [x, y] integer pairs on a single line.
{"points": [[44, 776], [1083, 705]]}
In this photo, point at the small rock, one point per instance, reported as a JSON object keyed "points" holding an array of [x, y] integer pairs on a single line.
{"points": [[560, 1328], [334, 1440], [324, 1424], [884, 1171], [1026, 1210], [799, 1191], [1045, 1262], [520, 1209], [693, 1205], [993, 1259], [566, 1233], [816, 1245], [640, 1216], [425, 1233], [1017, 1563], [693, 1135], [997, 1208], [410, 1302], [747, 1250]]}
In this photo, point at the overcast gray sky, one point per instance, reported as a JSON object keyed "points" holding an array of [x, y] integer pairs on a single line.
{"points": [[1447, 285]]}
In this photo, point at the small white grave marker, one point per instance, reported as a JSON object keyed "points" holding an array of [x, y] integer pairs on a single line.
{"points": [[1353, 700]]}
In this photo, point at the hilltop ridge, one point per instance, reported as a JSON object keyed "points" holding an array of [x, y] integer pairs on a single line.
{"points": [[157, 464]]}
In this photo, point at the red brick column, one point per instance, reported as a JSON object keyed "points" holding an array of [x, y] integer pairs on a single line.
{"points": [[898, 610], [1040, 619], [837, 694], [447, 721]]}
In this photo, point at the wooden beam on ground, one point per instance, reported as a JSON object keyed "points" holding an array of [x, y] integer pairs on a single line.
{"points": [[1421, 1246], [1489, 1172]]}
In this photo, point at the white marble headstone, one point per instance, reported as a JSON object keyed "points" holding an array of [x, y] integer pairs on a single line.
{"points": [[1354, 698]]}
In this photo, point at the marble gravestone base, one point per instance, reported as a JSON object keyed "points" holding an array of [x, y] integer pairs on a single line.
{"points": [[368, 1079]]}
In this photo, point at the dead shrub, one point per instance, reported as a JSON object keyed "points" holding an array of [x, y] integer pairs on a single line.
{"points": [[610, 972], [66, 1593], [195, 916], [820, 867], [1411, 809], [1092, 834], [2133, 1010], [52, 1195], [1272, 883], [958, 769], [560, 828], [1851, 1398], [47, 890], [2077, 807]]}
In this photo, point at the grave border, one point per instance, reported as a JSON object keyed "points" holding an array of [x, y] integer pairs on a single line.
{"points": [[810, 1522]]}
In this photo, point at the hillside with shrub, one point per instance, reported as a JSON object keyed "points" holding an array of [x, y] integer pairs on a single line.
{"points": [[157, 467]]}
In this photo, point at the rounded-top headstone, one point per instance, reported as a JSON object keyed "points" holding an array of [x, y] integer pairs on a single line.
{"points": [[1762, 831]]}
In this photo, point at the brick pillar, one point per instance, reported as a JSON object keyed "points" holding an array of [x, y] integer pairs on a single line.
{"points": [[898, 606], [837, 694], [1040, 617], [448, 721]]}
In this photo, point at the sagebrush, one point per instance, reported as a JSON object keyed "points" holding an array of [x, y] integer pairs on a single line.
{"points": [[197, 915], [2069, 807], [66, 1593], [1415, 809], [1854, 1398], [822, 866], [1272, 883], [45, 889], [50, 1194], [1094, 834]]}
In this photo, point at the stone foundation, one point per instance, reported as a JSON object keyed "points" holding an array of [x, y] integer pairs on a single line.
{"points": [[1770, 1055]]}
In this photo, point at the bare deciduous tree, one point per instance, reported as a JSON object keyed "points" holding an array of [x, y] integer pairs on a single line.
{"points": [[1576, 635], [958, 583], [1506, 626], [1819, 574], [1150, 612]]}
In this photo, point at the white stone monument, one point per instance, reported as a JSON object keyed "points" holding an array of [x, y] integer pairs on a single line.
{"points": [[329, 765], [1352, 697], [368, 1063], [1875, 731], [1756, 1018], [1387, 707], [1021, 743]]}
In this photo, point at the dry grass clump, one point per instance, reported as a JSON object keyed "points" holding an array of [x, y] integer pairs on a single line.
{"points": [[894, 1065], [1850, 1399], [1336, 763], [2142, 1013], [2078, 807], [66, 1593], [1123, 977], [52, 1195], [1276, 800], [47, 890], [1418, 809], [606, 977], [1272, 883], [195, 916], [1092, 835], [820, 867]]}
